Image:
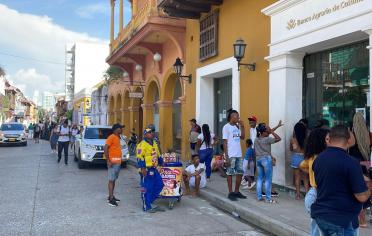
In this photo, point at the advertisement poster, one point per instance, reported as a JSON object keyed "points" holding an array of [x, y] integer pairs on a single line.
{"points": [[172, 178]]}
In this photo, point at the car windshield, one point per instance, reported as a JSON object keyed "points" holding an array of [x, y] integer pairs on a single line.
{"points": [[8, 127], [97, 133]]}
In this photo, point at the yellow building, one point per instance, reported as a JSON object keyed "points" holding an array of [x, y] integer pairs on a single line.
{"points": [[81, 106], [148, 91], [218, 84]]}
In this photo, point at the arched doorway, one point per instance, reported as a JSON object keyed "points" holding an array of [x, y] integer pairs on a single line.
{"points": [[152, 99], [126, 104], [137, 114]]}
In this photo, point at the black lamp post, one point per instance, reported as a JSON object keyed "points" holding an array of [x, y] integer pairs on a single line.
{"points": [[239, 51], [178, 67]]}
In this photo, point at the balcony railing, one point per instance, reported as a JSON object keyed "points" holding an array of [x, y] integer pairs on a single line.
{"points": [[137, 22]]}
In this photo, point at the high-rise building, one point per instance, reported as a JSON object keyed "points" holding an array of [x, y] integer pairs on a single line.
{"points": [[48, 101], [36, 98], [85, 66]]}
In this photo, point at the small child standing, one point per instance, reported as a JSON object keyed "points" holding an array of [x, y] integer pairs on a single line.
{"points": [[248, 166]]}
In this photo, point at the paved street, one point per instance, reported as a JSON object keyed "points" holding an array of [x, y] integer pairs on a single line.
{"points": [[40, 197]]}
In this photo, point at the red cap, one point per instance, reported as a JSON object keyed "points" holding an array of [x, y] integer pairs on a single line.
{"points": [[253, 118]]}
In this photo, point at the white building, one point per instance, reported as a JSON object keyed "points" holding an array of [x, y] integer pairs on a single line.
{"points": [[99, 102], [2, 96], [36, 98], [48, 101], [85, 66], [320, 60]]}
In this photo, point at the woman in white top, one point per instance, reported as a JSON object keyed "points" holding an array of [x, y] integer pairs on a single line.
{"points": [[74, 132], [63, 141], [205, 144]]}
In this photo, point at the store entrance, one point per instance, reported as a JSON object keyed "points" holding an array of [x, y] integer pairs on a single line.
{"points": [[336, 84], [223, 102]]}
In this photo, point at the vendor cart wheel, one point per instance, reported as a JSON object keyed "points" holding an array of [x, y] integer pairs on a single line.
{"points": [[171, 204]]}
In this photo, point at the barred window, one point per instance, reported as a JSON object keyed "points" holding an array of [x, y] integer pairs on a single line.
{"points": [[209, 36]]}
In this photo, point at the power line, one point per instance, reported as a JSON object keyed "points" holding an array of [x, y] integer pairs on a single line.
{"points": [[32, 59]]}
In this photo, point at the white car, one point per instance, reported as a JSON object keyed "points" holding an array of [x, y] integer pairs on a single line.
{"points": [[13, 133], [89, 146]]}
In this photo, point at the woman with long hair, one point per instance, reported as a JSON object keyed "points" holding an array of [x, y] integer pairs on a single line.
{"points": [[54, 137], [297, 146], [74, 132], [205, 144], [315, 144]]}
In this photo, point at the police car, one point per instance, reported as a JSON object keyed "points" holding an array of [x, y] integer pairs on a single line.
{"points": [[89, 146]]}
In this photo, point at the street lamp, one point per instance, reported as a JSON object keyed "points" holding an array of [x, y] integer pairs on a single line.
{"points": [[178, 67], [239, 51]]}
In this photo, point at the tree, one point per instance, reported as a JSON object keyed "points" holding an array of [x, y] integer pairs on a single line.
{"points": [[113, 73], [2, 72], [41, 113]]}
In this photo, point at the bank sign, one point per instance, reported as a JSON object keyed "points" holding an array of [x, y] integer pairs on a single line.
{"points": [[299, 17], [315, 16]]}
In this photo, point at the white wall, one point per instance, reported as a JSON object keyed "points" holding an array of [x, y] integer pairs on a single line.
{"points": [[205, 88], [2, 85], [90, 64], [339, 25]]}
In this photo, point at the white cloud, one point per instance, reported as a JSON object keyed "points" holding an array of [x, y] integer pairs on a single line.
{"points": [[88, 11], [38, 37], [29, 81]]}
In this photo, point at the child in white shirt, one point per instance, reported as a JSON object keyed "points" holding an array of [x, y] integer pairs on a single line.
{"points": [[194, 176]]}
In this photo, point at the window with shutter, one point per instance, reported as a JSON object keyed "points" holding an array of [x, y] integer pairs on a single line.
{"points": [[209, 36]]}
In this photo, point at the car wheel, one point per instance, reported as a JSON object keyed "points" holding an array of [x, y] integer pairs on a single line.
{"points": [[81, 164], [25, 144]]}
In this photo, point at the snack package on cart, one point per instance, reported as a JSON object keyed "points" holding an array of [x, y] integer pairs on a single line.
{"points": [[170, 157], [171, 173]]}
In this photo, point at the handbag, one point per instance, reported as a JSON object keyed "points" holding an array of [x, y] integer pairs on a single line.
{"points": [[273, 160]]}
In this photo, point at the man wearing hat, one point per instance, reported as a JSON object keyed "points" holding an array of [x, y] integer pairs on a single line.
{"points": [[149, 159], [113, 156], [252, 131]]}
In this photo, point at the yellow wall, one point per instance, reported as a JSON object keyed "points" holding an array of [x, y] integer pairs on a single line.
{"points": [[243, 20], [78, 102]]}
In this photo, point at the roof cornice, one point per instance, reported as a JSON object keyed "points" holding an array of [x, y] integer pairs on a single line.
{"points": [[280, 6]]}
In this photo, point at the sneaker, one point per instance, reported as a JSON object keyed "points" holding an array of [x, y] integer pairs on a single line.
{"points": [[112, 202], [244, 182], [232, 197], [240, 195], [271, 201], [152, 210], [114, 198], [273, 194]]}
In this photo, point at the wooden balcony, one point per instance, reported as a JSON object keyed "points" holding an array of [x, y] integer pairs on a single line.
{"points": [[189, 9]]}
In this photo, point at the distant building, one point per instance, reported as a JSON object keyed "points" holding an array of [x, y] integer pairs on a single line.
{"points": [[36, 98], [2, 99], [85, 66], [48, 101], [82, 107], [99, 104]]}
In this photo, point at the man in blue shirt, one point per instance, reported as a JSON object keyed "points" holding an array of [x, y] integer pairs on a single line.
{"points": [[340, 184]]}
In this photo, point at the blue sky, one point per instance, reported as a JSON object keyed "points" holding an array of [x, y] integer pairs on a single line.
{"points": [[39, 29]]}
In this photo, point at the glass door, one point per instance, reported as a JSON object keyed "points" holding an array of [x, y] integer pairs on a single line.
{"points": [[223, 102], [336, 84]]}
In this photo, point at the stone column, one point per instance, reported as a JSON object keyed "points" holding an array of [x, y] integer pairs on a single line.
{"points": [[112, 31], [285, 103], [121, 20], [369, 32], [148, 114], [165, 125]]}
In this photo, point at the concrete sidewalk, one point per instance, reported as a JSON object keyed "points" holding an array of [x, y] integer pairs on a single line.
{"points": [[288, 217]]}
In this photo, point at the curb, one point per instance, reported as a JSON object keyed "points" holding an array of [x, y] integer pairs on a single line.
{"points": [[251, 216]]}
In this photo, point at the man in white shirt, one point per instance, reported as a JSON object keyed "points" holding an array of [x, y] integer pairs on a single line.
{"points": [[194, 176], [233, 132], [252, 131]]}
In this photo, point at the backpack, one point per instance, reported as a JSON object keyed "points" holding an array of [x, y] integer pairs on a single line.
{"points": [[37, 128]]}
